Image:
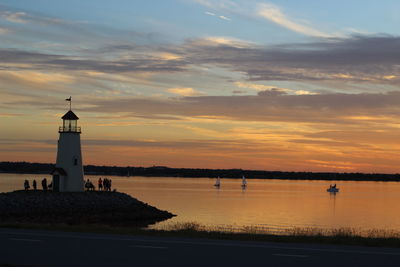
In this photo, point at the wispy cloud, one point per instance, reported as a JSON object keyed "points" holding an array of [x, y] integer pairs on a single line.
{"points": [[184, 91], [4, 30], [271, 90], [273, 13], [15, 17], [362, 59], [219, 16], [24, 17], [220, 4], [366, 59], [224, 18], [270, 105], [256, 86], [216, 41]]}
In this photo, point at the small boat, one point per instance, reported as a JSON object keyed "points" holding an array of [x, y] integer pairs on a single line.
{"points": [[244, 182], [217, 182], [332, 189]]}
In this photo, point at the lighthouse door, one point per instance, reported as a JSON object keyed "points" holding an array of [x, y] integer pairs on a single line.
{"points": [[56, 183]]}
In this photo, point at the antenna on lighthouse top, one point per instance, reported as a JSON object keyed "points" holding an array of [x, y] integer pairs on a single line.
{"points": [[70, 101]]}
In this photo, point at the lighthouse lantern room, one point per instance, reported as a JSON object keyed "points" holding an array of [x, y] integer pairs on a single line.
{"points": [[70, 123], [68, 172]]}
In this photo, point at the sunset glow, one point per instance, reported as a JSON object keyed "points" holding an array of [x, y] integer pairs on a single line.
{"points": [[204, 84]]}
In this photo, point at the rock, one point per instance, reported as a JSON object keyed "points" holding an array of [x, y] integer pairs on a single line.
{"points": [[94, 207]]}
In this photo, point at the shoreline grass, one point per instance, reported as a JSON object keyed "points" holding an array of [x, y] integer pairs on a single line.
{"points": [[335, 236]]}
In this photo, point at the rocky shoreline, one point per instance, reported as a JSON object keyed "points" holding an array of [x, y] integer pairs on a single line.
{"points": [[93, 207]]}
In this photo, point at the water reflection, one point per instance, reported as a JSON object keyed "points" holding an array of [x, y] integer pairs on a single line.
{"points": [[268, 203], [333, 199]]}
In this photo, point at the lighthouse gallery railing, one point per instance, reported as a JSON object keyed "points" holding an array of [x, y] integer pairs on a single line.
{"points": [[69, 129]]}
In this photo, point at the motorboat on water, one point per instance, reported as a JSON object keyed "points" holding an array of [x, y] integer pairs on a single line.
{"points": [[218, 182], [332, 189]]}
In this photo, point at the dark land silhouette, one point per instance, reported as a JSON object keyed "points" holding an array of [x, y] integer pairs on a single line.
{"points": [[94, 207], [161, 171]]}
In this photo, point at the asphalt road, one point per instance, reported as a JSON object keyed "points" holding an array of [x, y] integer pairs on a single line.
{"points": [[50, 248]]}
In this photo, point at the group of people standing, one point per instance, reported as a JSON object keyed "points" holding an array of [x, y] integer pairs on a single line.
{"points": [[45, 187], [103, 184]]}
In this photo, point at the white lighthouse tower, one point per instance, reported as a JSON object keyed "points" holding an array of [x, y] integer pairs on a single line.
{"points": [[68, 173]]}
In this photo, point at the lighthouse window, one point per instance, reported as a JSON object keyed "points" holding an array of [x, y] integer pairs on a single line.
{"points": [[75, 161]]}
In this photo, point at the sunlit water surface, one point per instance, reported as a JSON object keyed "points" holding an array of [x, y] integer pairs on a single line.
{"points": [[276, 204]]}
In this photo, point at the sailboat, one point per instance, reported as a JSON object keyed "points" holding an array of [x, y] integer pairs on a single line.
{"points": [[217, 182], [244, 182]]}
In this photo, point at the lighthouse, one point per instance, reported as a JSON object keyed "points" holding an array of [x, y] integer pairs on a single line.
{"points": [[68, 172]]}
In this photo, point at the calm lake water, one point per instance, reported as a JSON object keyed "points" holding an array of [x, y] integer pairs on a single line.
{"points": [[277, 204]]}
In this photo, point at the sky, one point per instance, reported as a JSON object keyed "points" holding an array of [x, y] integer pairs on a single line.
{"points": [[269, 85]]}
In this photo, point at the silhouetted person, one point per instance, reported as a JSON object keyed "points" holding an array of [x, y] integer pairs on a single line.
{"points": [[100, 183], [89, 185], [106, 184], [34, 184], [26, 185], [44, 184]]}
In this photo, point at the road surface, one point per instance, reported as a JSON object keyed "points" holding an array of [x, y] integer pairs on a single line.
{"points": [[51, 248]]}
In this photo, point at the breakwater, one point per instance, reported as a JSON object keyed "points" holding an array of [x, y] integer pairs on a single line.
{"points": [[94, 207]]}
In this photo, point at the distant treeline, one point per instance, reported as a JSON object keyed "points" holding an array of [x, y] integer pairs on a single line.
{"points": [[160, 171]]}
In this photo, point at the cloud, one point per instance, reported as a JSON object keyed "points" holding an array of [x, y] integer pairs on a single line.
{"points": [[184, 91], [168, 56], [183, 144], [52, 61], [215, 15], [221, 145], [304, 92], [4, 30], [23, 18], [272, 92], [322, 108], [35, 77], [15, 17], [366, 59], [270, 12], [224, 18], [221, 4], [9, 115], [238, 92], [274, 14], [115, 76], [216, 41], [371, 59], [259, 87]]}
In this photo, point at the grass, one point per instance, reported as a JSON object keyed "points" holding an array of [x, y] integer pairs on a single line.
{"points": [[339, 236]]}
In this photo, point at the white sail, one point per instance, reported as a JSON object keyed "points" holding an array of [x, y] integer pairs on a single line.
{"points": [[244, 182], [217, 182]]}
